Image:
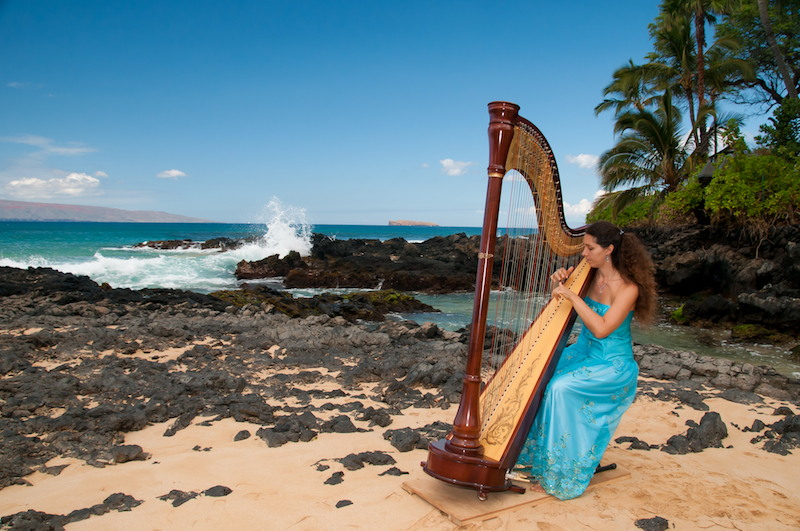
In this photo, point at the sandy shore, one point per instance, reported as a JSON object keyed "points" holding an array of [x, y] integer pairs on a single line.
{"points": [[92, 378], [737, 487]]}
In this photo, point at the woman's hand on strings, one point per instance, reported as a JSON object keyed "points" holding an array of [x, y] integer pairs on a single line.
{"points": [[558, 279], [561, 275]]}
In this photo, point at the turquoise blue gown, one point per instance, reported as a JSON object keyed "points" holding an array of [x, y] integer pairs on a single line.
{"points": [[593, 385]]}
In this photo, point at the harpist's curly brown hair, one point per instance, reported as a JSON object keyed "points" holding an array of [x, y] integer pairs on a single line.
{"points": [[633, 262]]}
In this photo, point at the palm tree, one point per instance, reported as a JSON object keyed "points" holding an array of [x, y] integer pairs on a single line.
{"points": [[766, 23], [650, 158], [675, 60], [702, 11], [723, 71], [632, 87]]}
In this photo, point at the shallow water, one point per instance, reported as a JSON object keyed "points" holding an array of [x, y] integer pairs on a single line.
{"points": [[457, 313], [107, 252]]}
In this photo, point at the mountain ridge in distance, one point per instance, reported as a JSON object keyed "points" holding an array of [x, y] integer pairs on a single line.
{"points": [[27, 211]]}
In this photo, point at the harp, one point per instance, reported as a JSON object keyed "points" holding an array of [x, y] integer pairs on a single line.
{"points": [[492, 423]]}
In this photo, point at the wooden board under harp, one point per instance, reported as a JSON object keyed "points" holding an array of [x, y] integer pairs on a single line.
{"points": [[492, 424]]}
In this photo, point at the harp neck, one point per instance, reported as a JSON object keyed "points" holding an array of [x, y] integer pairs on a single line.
{"points": [[516, 144]]}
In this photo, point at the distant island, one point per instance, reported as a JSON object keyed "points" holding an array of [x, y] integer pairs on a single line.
{"points": [[406, 223], [25, 211]]}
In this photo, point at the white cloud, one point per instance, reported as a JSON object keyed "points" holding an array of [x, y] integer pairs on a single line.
{"points": [[583, 160], [454, 167], [425, 165], [171, 174], [581, 208], [22, 85], [30, 177], [47, 146], [74, 184]]}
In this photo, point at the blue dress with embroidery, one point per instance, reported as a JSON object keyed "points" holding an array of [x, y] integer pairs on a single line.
{"points": [[593, 385]]}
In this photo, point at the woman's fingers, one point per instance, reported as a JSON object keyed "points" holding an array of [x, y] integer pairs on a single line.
{"points": [[559, 290], [561, 274]]}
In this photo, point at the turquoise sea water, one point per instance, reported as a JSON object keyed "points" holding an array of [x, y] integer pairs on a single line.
{"points": [[107, 252]]}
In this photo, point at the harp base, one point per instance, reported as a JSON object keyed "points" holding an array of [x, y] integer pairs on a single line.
{"points": [[480, 474]]}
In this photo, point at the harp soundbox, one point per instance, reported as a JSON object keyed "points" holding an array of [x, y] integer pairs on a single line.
{"points": [[529, 330]]}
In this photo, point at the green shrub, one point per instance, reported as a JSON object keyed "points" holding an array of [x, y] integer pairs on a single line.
{"points": [[678, 317], [685, 199], [762, 187], [783, 136], [636, 213]]}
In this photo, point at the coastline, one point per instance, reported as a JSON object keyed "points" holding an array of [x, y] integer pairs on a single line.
{"points": [[407, 223], [150, 399]]}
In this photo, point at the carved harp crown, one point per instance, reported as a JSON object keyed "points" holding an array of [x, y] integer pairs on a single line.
{"points": [[529, 332]]}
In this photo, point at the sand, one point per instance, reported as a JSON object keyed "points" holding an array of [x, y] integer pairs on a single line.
{"points": [[740, 487]]}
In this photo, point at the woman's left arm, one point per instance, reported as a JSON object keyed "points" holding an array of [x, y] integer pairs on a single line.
{"points": [[602, 325]]}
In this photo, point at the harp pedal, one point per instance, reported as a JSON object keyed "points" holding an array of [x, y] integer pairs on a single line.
{"points": [[520, 476]]}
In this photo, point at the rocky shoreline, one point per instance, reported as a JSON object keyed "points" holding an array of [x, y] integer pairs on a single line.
{"points": [[720, 278], [82, 365], [730, 278]]}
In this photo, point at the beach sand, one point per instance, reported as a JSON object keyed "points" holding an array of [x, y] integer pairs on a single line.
{"points": [[738, 487]]}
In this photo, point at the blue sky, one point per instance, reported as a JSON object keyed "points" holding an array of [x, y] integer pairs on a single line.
{"points": [[357, 112]]}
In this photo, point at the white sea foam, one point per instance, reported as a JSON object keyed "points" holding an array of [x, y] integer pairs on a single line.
{"points": [[287, 231], [8, 262], [189, 269]]}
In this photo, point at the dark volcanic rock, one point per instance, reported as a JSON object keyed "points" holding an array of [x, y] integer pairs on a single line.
{"points": [[369, 306], [407, 439], [168, 244], [33, 520], [404, 439], [781, 436], [38, 521], [271, 266], [339, 424], [242, 435], [218, 491], [741, 397], [92, 367], [708, 434], [438, 265], [692, 399], [379, 417], [356, 461], [335, 479], [178, 497], [636, 444], [128, 452], [730, 276], [652, 524], [394, 471]]}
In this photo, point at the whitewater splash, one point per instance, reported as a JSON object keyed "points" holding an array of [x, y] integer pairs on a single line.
{"points": [[278, 229], [287, 231]]}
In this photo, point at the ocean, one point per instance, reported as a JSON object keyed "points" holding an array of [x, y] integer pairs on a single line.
{"points": [[108, 252]]}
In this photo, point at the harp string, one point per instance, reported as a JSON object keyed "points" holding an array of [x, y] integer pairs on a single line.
{"points": [[528, 258]]}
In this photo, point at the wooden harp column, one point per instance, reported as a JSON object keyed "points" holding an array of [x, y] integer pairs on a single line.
{"points": [[479, 452]]}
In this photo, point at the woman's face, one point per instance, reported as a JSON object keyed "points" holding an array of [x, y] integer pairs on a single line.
{"points": [[594, 254]]}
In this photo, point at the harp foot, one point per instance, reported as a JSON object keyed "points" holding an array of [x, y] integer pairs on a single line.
{"points": [[483, 495], [599, 468], [517, 489]]}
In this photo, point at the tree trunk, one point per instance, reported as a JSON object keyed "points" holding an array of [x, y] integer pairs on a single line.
{"points": [[791, 90], [692, 118], [700, 36]]}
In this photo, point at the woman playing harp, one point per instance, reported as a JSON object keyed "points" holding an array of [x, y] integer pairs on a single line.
{"points": [[500, 400], [595, 380]]}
